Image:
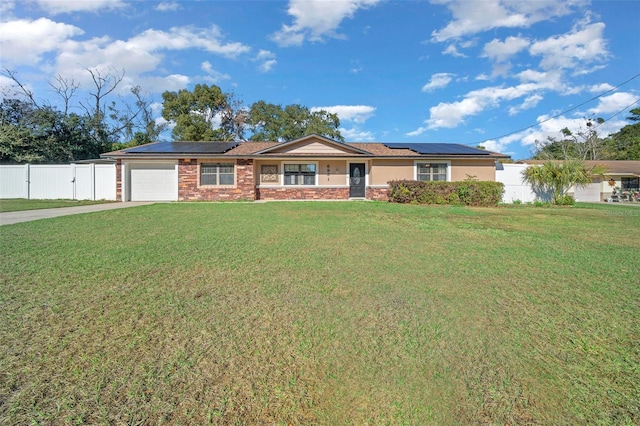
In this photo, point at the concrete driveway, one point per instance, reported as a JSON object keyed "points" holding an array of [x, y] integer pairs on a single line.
{"points": [[9, 218]]}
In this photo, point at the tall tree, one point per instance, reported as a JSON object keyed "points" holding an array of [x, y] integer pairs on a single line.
{"points": [[29, 134], [109, 121], [198, 114], [270, 122], [582, 144], [625, 143]]}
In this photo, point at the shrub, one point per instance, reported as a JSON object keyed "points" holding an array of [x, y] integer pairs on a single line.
{"points": [[469, 193], [567, 200]]}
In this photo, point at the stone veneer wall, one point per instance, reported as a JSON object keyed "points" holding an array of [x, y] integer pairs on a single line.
{"points": [[378, 194], [302, 193], [188, 189]]}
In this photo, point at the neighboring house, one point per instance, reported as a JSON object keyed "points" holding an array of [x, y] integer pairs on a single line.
{"points": [[621, 176], [312, 167]]}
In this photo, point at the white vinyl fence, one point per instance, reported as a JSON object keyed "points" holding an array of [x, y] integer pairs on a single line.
{"points": [[58, 181], [514, 188]]}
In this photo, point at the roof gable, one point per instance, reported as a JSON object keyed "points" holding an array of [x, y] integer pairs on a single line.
{"points": [[313, 145]]}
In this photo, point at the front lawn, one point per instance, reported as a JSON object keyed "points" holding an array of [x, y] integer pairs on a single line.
{"points": [[322, 313], [21, 204]]}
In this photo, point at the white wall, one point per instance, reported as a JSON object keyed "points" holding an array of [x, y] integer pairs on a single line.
{"points": [[514, 188], [58, 181]]}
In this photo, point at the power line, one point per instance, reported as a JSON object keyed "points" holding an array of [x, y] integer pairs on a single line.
{"points": [[617, 113], [566, 111]]}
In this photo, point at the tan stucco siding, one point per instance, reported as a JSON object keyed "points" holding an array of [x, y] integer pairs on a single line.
{"points": [[383, 171], [332, 172], [310, 148], [479, 169]]}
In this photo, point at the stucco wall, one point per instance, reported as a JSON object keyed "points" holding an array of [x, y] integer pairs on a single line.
{"points": [[482, 170], [382, 171]]}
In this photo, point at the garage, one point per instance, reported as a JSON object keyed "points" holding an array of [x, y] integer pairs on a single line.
{"points": [[156, 181]]}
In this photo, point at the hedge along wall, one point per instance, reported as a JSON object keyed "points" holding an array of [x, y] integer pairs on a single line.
{"points": [[470, 193]]}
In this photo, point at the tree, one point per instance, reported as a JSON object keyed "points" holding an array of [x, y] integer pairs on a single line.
{"points": [[583, 144], [30, 134], [197, 115], [270, 122], [556, 177], [109, 121], [625, 144]]}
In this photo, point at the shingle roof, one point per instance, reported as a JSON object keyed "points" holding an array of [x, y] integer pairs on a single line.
{"points": [[261, 149]]}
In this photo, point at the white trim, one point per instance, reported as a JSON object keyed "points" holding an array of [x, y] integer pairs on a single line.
{"points": [[301, 161], [233, 163], [447, 162]]}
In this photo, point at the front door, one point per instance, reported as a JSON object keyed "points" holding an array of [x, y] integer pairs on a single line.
{"points": [[356, 180]]}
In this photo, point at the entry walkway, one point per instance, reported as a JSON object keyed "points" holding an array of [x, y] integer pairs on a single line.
{"points": [[9, 218]]}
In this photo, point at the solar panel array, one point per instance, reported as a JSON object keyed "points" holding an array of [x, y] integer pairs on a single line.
{"points": [[438, 148], [183, 148]]}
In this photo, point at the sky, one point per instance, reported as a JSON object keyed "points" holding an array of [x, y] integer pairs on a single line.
{"points": [[499, 74]]}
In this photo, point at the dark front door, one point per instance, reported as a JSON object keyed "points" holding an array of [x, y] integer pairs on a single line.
{"points": [[356, 180]]}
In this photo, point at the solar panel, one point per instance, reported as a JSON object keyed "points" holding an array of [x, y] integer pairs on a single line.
{"points": [[183, 148], [438, 148]]}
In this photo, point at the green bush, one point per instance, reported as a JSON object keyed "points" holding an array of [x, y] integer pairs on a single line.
{"points": [[469, 193], [566, 200]]}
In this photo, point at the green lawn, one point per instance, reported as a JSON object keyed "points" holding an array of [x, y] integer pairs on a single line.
{"points": [[322, 313], [20, 204]]}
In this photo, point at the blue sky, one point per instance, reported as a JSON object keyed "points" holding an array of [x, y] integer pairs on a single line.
{"points": [[502, 74]]}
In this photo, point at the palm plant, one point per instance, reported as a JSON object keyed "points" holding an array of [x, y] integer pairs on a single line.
{"points": [[556, 177]]}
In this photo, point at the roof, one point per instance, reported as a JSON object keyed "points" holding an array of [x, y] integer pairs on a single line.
{"points": [[183, 148], [614, 167], [303, 147]]}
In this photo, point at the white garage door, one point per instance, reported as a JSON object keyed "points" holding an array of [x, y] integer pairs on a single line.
{"points": [[590, 193], [154, 182]]}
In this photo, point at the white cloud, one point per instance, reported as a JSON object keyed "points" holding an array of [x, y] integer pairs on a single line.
{"points": [[213, 75], [471, 17], [529, 102], [168, 6], [23, 42], [600, 88], [453, 51], [420, 130], [451, 114], [572, 49], [179, 38], [614, 103], [68, 6], [500, 51], [438, 80], [266, 59], [6, 9], [140, 54], [355, 134], [356, 113], [316, 19]]}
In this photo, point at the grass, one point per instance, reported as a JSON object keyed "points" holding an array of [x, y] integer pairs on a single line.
{"points": [[322, 313], [21, 204]]}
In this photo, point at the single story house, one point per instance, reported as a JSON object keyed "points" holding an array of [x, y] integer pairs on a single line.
{"points": [[312, 167], [622, 176]]}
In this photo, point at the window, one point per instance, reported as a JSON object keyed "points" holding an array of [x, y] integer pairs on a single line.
{"points": [[630, 184], [299, 174], [428, 171], [216, 174]]}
